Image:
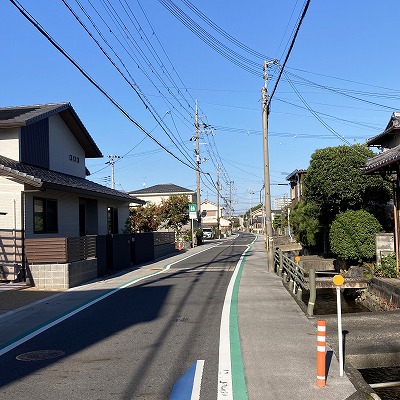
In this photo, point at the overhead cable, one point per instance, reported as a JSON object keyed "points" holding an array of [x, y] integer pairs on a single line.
{"points": [[35, 23]]}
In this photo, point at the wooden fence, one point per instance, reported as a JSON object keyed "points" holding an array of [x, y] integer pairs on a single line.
{"points": [[60, 249]]}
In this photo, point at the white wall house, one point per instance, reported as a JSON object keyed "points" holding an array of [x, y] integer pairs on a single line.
{"points": [[209, 212], [44, 192], [157, 193]]}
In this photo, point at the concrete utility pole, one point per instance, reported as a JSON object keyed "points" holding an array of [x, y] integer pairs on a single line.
{"points": [[197, 152], [112, 163], [268, 222], [230, 199], [250, 212], [218, 212]]}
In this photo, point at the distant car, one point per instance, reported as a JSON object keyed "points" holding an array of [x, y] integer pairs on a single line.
{"points": [[208, 233]]}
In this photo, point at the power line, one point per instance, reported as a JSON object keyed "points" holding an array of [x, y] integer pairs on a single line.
{"points": [[133, 85], [35, 23], [315, 114], [236, 58], [303, 14], [223, 32]]}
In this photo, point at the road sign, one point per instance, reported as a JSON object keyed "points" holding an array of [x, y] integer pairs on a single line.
{"points": [[193, 211]]}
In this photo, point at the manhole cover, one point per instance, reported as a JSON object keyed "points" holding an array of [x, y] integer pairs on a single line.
{"points": [[40, 355]]}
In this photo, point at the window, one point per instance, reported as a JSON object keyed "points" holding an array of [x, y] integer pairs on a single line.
{"points": [[45, 216]]}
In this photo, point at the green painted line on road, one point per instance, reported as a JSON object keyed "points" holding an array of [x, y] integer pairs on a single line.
{"points": [[238, 379]]}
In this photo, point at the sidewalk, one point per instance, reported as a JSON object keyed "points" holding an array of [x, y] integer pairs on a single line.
{"points": [[279, 342]]}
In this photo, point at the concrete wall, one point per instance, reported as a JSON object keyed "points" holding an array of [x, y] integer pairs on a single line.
{"points": [[382, 295], [61, 276], [384, 245]]}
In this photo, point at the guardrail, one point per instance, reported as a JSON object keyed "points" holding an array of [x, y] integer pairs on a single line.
{"points": [[295, 275]]}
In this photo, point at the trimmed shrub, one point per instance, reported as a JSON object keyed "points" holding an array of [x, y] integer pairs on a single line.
{"points": [[388, 267], [352, 235]]}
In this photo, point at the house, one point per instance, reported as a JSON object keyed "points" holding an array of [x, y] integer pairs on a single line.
{"points": [[45, 197], [210, 217], [296, 179], [387, 162], [157, 193]]}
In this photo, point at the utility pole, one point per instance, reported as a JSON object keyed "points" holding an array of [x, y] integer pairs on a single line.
{"points": [[112, 163], [230, 199], [263, 211], [218, 213], [197, 152], [250, 213], [267, 186]]}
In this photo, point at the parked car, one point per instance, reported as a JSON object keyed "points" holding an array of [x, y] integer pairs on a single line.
{"points": [[208, 233]]}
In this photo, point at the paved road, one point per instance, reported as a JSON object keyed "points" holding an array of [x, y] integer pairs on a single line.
{"points": [[134, 344]]}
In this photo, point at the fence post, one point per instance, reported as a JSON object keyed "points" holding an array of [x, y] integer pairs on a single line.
{"points": [[291, 284], [313, 291], [280, 262], [321, 353], [299, 293]]}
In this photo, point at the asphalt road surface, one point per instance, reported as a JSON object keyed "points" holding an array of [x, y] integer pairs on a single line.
{"points": [[134, 344]]}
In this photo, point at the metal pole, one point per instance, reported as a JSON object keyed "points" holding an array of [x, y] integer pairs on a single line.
{"points": [[313, 291], [340, 334], [192, 232], [268, 222]]}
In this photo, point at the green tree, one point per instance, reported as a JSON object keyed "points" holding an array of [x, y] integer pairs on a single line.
{"points": [[305, 224], [145, 218], [277, 221], [352, 235], [334, 181], [175, 212]]}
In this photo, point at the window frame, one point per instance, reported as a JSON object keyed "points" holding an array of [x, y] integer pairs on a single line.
{"points": [[48, 215]]}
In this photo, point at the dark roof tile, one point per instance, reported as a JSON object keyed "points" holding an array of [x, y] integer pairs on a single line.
{"points": [[168, 188], [18, 116], [57, 180], [382, 160]]}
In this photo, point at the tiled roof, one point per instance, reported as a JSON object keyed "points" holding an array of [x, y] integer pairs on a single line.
{"points": [[40, 177], [383, 160], [168, 188], [294, 173], [23, 115], [18, 116], [392, 127]]}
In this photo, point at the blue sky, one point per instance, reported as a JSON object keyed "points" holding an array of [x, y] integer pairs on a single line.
{"points": [[344, 66]]}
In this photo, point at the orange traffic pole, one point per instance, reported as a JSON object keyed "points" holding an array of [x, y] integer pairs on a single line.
{"points": [[321, 353]]}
